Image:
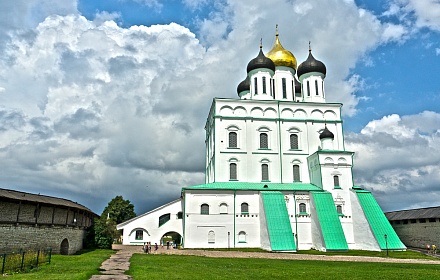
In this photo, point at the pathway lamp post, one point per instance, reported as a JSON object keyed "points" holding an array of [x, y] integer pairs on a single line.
{"points": [[386, 243]]}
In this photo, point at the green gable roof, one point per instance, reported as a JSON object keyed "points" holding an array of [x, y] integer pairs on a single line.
{"points": [[255, 186]]}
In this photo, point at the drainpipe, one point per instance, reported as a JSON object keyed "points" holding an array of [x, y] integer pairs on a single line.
{"points": [[235, 193], [296, 221], [184, 218], [279, 137]]}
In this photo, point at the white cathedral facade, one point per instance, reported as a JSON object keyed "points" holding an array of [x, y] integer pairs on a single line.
{"points": [[278, 176]]}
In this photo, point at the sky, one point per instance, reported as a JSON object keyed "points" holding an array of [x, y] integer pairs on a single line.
{"points": [[110, 97]]}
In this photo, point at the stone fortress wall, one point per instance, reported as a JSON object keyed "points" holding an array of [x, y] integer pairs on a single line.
{"points": [[32, 222]]}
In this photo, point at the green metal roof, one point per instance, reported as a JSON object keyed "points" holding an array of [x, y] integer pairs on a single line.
{"points": [[332, 232], [378, 222], [278, 222], [264, 186]]}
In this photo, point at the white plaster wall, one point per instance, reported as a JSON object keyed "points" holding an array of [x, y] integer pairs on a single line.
{"points": [[316, 232], [363, 236], [226, 226], [149, 223], [264, 233]]}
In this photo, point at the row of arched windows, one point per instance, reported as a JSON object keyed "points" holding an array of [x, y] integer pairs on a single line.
{"points": [[264, 172], [204, 208], [264, 141], [241, 237]]}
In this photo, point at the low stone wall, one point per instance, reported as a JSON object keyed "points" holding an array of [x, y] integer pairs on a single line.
{"points": [[62, 240], [32, 222], [417, 234]]}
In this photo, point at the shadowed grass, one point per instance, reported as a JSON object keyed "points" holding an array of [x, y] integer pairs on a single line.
{"points": [[194, 267], [78, 267]]}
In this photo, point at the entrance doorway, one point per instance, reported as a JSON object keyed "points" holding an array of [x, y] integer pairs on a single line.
{"points": [[172, 238], [64, 248]]}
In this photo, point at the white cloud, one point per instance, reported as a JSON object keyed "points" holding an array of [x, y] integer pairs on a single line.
{"points": [[89, 106], [398, 157]]}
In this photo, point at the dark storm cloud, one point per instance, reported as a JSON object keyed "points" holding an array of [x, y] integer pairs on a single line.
{"points": [[81, 124]]}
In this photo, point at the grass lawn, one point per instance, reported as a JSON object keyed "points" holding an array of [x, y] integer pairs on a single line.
{"points": [[193, 267], [78, 267]]}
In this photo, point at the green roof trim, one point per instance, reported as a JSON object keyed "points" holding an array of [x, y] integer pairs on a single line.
{"points": [[278, 222], [378, 222], [263, 186], [332, 232]]}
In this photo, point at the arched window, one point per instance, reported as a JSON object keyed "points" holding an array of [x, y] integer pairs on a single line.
{"points": [[264, 141], [242, 237], [223, 208], [233, 140], [302, 208], [264, 85], [164, 218], [232, 171], [316, 87], [336, 181], [339, 209], [264, 172], [294, 141], [204, 209], [283, 81], [296, 177], [139, 235], [244, 208], [211, 236], [308, 88]]}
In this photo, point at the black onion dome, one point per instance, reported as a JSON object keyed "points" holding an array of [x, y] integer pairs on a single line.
{"points": [[326, 134], [244, 85], [261, 61], [311, 65]]}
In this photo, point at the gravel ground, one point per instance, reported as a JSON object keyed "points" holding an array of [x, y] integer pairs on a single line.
{"points": [[263, 255]]}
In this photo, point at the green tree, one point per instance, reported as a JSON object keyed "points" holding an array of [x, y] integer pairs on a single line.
{"points": [[117, 211]]}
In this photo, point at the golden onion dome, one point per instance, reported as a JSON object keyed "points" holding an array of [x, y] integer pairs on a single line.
{"points": [[280, 56]]}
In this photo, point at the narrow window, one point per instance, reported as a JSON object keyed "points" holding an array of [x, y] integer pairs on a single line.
{"points": [[294, 141], [283, 81], [164, 218], [204, 209], [179, 215], [339, 209], [139, 235], [273, 88], [223, 208], [336, 181], [293, 90], [302, 208], [322, 88], [316, 88], [211, 236], [233, 171], [270, 85], [256, 85], [232, 140], [244, 208], [264, 85], [264, 143], [242, 237], [264, 172], [296, 177], [308, 88]]}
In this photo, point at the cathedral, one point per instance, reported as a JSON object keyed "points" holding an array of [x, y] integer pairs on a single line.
{"points": [[277, 174]]}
